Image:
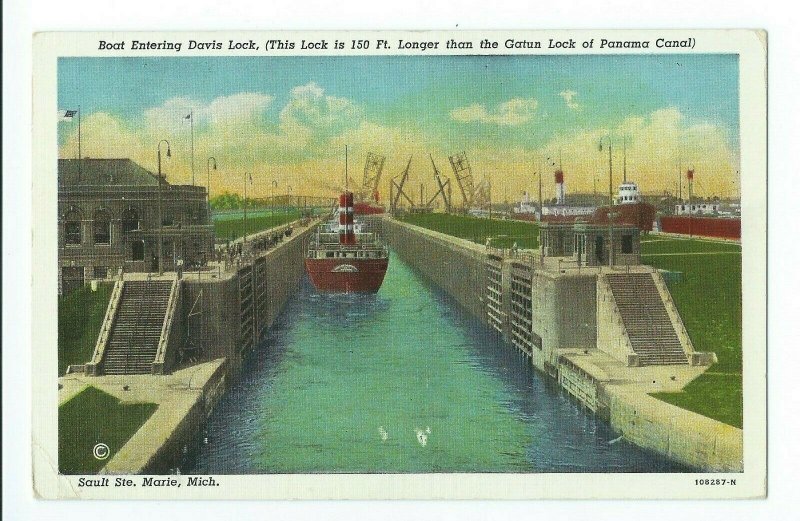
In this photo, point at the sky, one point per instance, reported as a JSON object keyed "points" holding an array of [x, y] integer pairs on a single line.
{"points": [[288, 119]]}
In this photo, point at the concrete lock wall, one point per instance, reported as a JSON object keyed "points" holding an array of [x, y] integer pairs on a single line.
{"points": [[564, 316], [682, 435], [455, 265], [563, 308], [576, 296], [215, 324], [543, 317]]}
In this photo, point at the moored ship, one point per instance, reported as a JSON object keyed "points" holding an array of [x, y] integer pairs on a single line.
{"points": [[344, 256]]}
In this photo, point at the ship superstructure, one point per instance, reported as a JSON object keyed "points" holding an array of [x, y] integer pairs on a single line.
{"points": [[347, 256]]}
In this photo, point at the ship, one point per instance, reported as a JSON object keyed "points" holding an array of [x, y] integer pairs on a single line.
{"points": [[345, 256], [629, 209]]}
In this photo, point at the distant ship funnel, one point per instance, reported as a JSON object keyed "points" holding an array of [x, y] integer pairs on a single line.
{"points": [[347, 233], [560, 191]]}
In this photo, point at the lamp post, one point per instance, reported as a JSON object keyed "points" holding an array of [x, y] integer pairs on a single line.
{"points": [[246, 177], [540, 173], [160, 216], [489, 190], [209, 162], [610, 199], [541, 213], [288, 197], [274, 186]]}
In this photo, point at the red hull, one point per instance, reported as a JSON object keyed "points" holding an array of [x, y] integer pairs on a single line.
{"points": [[704, 226], [367, 279], [640, 215]]}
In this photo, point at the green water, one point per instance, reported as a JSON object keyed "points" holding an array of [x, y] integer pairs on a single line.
{"points": [[400, 381]]}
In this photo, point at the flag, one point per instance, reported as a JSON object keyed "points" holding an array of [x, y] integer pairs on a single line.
{"points": [[600, 146], [690, 175], [251, 178], [66, 115], [188, 116]]}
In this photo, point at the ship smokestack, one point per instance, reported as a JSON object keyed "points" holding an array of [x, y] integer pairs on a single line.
{"points": [[347, 233], [560, 192]]}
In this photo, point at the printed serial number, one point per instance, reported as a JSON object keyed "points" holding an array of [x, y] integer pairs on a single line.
{"points": [[716, 481]]}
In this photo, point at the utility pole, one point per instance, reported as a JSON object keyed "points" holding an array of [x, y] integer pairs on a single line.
{"points": [[690, 182], [610, 200], [209, 162], [490, 200], [541, 214], [191, 130], [80, 157], [246, 175], [160, 209], [625, 159]]}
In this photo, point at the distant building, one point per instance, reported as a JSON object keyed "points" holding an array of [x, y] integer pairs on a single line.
{"points": [[697, 209], [108, 219]]}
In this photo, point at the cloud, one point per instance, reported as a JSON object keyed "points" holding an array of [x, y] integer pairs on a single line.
{"points": [[301, 143], [569, 98], [513, 112], [655, 145], [311, 116], [243, 131]]}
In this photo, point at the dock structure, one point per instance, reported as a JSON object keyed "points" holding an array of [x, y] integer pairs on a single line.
{"points": [[155, 323], [585, 311], [178, 339]]}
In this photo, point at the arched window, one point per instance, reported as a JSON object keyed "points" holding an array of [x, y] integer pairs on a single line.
{"points": [[72, 227], [102, 227], [130, 220]]}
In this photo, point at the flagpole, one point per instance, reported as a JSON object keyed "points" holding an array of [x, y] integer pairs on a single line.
{"points": [[625, 159], [191, 126], [80, 158]]}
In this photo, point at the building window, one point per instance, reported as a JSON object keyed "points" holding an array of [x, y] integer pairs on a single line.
{"points": [[137, 251], [72, 227], [130, 220], [101, 272], [627, 244], [102, 227]]}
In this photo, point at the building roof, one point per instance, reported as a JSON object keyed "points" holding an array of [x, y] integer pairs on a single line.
{"points": [[103, 172]]}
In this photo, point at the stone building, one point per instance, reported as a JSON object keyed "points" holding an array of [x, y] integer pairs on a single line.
{"points": [[108, 218], [590, 244]]}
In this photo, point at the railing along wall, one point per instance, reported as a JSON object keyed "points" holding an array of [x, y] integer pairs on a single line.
{"points": [[676, 319], [166, 328], [105, 329], [605, 292]]}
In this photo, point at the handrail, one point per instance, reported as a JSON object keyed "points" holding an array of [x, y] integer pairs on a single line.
{"points": [[166, 327], [616, 312], [681, 330], [108, 324]]}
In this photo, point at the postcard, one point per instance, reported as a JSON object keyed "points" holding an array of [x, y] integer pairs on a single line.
{"points": [[383, 265]]}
